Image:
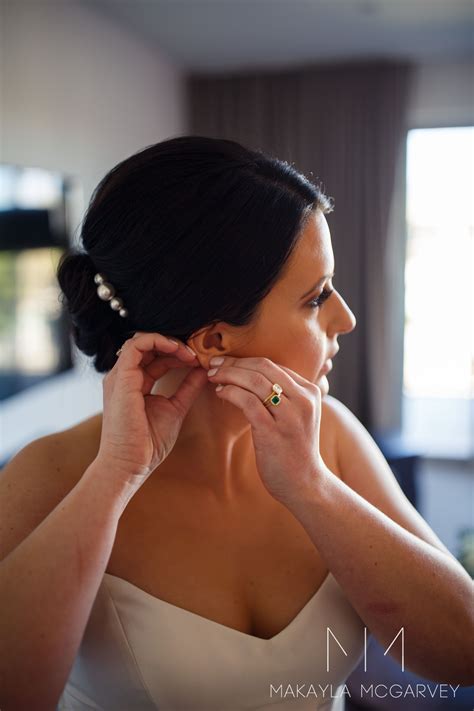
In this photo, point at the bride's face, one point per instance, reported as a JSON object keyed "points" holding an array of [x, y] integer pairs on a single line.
{"points": [[303, 314]]}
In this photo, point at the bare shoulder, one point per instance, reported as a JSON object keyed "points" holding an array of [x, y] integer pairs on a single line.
{"points": [[59, 456], [362, 464], [329, 411], [40, 475], [328, 436], [349, 433], [335, 409], [363, 467]]}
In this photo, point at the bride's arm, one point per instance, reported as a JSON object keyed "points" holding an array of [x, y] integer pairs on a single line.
{"points": [[50, 570], [392, 567]]}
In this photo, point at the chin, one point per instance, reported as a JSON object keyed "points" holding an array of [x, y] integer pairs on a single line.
{"points": [[323, 385]]}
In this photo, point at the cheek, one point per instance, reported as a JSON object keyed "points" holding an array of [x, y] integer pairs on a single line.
{"points": [[313, 353], [298, 344], [308, 350]]}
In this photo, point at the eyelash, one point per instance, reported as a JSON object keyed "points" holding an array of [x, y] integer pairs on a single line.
{"points": [[319, 301]]}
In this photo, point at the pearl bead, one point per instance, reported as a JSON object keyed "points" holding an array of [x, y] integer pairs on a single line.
{"points": [[116, 303], [105, 291]]}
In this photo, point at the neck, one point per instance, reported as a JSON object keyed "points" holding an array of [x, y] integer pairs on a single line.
{"points": [[214, 449]]}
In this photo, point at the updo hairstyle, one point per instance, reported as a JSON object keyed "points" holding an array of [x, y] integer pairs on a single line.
{"points": [[189, 231]]}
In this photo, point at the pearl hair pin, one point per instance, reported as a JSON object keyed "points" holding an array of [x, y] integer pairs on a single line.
{"points": [[106, 292]]}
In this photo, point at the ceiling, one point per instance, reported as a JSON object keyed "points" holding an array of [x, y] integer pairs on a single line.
{"points": [[216, 36]]}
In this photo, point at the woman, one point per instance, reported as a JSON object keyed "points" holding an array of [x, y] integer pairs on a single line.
{"points": [[225, 533]]}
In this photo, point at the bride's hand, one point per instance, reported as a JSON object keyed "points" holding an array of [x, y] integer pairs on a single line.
{"points": [[139, 429], [285, 436]]}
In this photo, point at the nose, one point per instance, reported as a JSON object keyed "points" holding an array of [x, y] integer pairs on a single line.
{"points": [[342, 320]]}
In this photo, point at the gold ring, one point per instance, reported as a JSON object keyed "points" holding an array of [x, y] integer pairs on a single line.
{"points": [[274, 397]]}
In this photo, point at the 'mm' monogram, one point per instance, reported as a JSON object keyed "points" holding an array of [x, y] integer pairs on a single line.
{"points": [[330, 632]]}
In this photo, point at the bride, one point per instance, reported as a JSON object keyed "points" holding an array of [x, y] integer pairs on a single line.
{"points": [[225, 529]]}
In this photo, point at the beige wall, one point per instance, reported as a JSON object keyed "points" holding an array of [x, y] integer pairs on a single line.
{"points": [[78, 92]]}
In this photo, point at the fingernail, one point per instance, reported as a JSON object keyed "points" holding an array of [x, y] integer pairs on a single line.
{"points": [[173, 340], [191, 350], [216, 360]]}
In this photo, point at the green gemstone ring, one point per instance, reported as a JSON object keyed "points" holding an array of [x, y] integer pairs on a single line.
{"points": [[274, 397]]}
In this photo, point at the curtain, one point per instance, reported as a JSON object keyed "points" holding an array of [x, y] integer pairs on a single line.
{"points": [[345, 125]]}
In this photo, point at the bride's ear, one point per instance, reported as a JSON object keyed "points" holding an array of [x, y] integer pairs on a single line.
{"points": [[213, 340]]}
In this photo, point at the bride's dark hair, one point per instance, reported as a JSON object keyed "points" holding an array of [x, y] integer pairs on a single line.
{"points": [[189, 231]]}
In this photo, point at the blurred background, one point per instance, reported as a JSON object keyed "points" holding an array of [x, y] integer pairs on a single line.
{"points": [[375, 98]]}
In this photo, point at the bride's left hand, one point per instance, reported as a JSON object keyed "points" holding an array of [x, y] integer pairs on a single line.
{"points": [[285, 436]]}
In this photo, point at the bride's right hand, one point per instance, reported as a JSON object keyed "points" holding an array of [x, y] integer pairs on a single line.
{"points": [[139, 430]]}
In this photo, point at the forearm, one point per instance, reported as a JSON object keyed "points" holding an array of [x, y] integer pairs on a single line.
{"points": [[393, 579], [47, 589]]}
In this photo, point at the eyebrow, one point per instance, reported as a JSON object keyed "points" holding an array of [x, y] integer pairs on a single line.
{"points": [[318, 284]]}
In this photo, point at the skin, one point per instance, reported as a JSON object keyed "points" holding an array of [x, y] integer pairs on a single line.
{"points": [[215, 433]]}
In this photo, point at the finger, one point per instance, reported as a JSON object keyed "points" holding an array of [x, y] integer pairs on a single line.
{"points": [[304, 382], [254, 410], [182, 345], [272, 371], [140, 349], [162, 363], [252, 380], [188, 390], [160, 366]]}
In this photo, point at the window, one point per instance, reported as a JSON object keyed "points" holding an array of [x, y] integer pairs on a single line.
{"points": [[35, 221], [438, 379]]}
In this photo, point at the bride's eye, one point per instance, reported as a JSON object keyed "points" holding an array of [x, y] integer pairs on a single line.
{"points": [[319, 301]]}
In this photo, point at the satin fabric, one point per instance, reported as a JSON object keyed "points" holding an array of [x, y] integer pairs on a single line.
{"points": [[140, 653]]}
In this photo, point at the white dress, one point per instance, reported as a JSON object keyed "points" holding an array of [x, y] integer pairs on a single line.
{"points": [[140, 653]]}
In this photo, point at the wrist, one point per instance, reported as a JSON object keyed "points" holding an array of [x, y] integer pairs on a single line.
{"points": [[112, 483], [306, 495], [123, 468]]}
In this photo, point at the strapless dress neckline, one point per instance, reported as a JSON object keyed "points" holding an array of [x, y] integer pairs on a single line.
{"points": [[141, 653], [229, 630]]}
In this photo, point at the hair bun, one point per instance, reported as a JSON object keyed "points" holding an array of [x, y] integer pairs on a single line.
{"points": [[96, 327]]}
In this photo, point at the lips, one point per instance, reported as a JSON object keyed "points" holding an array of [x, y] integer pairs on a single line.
{"points": [[326, 367]]}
